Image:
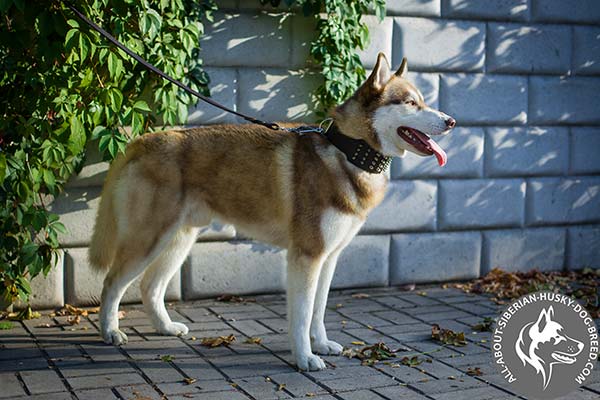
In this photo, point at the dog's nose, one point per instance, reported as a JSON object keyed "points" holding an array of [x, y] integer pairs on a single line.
{"points": [[450, 122]]}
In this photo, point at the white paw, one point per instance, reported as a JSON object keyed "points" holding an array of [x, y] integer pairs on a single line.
{"points": [[173, 329], [310, 362], [115, 336], [327, 347]]}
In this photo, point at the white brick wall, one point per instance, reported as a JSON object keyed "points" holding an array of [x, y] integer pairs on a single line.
{"points": [[517, 48], [512, 151], [484, 99], [522, 185]]}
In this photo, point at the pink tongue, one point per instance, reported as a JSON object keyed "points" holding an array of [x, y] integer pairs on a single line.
{"points": [[440, 154]]}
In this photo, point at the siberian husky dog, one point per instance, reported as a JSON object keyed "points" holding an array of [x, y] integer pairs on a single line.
{"points": [[296, 191]]}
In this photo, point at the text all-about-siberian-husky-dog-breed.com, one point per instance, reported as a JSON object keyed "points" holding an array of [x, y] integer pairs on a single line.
{"points": [[308, 193]]}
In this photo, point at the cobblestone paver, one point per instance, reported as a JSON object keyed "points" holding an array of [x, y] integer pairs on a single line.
{"points": [[48, 358]]}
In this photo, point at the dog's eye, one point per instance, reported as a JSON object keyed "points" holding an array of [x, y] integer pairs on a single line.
{"points": [[411, 103]]}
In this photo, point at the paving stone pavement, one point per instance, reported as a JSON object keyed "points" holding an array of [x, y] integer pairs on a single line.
{"points": [[48, 358]]}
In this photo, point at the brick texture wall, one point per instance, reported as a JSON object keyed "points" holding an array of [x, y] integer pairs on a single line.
{"points": [[522, 186]]}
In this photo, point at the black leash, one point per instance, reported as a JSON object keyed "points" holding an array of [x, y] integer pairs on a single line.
{"points": [[113, 40]]}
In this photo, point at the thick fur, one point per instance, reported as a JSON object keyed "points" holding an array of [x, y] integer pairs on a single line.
{"points": [[544, 343], [293, 191]]}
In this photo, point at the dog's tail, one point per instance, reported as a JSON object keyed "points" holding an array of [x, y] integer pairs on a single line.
{"points": [[102, 247]]}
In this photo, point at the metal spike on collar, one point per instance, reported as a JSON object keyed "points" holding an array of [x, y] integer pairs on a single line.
{"points": [[357, 151]]}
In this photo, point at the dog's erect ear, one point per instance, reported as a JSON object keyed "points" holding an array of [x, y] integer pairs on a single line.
{"points": [[381, 73], [544, 318], [403, 69]]}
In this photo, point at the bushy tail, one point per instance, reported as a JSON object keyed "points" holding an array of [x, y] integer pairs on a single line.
{"points": [[103, 247]]}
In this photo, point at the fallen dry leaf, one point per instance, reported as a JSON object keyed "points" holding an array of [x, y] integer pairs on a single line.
{"points": [[448, 336], [69, 310], [24, 314], [485, 325], [281, 387], [253, 340], [370, 355], [408, 288], [361, 295], [411, 361], [230, 298], [189, 381], [474, 371], [218, 341], [358, 343]]}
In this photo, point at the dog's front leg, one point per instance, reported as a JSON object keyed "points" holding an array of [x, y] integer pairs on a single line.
{"points": [[302, 281], [320, 343]]}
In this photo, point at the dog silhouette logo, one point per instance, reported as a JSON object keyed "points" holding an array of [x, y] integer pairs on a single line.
{"points": [[543, 343]]}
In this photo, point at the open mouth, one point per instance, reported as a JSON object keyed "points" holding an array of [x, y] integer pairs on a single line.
{"points": [[563, 358], [423, 143]]}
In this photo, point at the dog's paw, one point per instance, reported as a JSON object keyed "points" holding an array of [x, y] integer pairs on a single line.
{"points": [[115, 337], [173, 329], [327, 347], [310, 362]]}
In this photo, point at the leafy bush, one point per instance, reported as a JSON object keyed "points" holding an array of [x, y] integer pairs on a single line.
{"points": [[61, 85]]}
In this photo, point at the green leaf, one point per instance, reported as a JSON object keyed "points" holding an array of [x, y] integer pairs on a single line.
{"points": [[73, 23], [49, 179], [113, 61], [77, 137], [2, 168], [116, 99], [141, 105], [84, 47], [98, 131]]}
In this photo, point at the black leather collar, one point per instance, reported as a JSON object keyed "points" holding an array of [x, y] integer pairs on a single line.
{"points": [[358, 152]]}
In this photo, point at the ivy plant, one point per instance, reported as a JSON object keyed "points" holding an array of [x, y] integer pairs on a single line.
{"points": [[62, 85], [339, 33]]}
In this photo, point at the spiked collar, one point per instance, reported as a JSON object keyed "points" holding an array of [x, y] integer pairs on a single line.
{"points": [[358, 152]]}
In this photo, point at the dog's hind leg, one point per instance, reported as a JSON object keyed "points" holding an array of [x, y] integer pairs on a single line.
{"points": [[303, 278], [157, 277], [128, 264], [134, 253]]}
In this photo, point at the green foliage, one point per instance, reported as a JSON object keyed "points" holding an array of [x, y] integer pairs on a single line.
{"points": [[62, 85], [340, 33]]}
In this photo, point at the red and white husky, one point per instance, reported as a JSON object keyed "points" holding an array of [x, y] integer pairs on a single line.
{"points": [[298, 192]]}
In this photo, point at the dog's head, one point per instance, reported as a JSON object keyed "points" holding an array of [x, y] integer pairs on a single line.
{"points": [[390, 114], [544, 343]]}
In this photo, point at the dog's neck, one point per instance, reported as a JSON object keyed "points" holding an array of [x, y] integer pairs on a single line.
{"points": [[358, 152]]}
